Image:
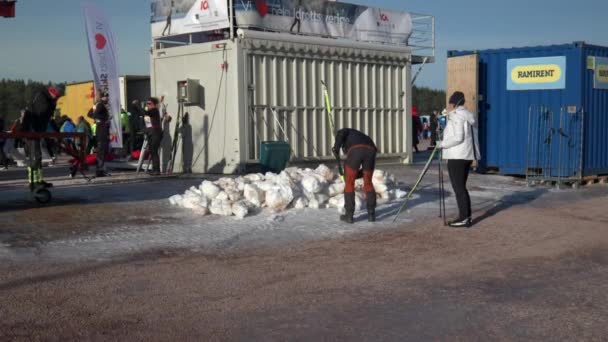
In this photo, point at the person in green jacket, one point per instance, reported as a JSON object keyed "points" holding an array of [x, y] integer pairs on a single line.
{"points": [[93, 142], [127, 137]]}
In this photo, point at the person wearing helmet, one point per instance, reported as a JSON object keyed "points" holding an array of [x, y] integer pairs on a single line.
{"points": [[36, 119]]}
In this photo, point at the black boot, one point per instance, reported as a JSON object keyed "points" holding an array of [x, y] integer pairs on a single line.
{"points": [[461, 223], [349, 207], [371, 206]]}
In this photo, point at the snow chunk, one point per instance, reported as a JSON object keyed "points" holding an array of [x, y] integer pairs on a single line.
{"points": [[311, 185], [300, 203], [209, 189], [176, 200], [279, 197], [240, 210], [325, 172], [221, 207], [254, 195], [336, 189]]}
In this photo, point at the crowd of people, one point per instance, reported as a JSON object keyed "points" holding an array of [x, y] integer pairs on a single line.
{"points": [[424, 128], [40, 116]]}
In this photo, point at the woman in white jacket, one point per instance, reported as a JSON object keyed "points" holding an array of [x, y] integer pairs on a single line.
{"points": [[460, 147]]}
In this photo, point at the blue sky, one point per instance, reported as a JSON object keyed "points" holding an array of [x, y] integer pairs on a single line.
{"points": [[46, 41]]}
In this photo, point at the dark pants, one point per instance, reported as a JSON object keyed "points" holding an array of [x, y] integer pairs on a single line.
{"points": [[459, 173], [154, 140], [3, 159], [127, 143], [50, 146], [359, 158], [34, 153], [103, 143], [92, 144]]}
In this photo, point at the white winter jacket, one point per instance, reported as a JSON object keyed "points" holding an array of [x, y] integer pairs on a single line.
{"points": [[460, 137]]}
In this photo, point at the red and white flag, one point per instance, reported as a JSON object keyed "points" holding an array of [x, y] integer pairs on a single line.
{"points": [[102, 52]]}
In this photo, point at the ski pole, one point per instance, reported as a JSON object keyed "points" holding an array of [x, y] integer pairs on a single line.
{"points": [[422, 174], [441, 191]]}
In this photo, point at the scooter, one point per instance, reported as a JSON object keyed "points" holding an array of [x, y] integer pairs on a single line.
{"points": [[39, 191]]}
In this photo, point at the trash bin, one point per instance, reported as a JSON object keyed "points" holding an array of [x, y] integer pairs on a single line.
{"points": [[274, 156]]}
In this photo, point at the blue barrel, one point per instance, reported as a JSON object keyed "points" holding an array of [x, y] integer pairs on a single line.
{"points": [[274, 156]]}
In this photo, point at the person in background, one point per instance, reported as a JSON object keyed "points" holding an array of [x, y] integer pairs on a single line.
{"points": [[68, 127], [433, 127], [136, 120], [3, 158], [416, 128], [127, 133], [460, 146], [17, 127], [154, 131], [36, 119], [51, 147], [102, 131], [82, 126], [360, 155], [92, 147]]}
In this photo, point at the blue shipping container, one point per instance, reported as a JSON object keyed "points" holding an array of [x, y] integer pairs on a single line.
{"points": [[544, 110]]}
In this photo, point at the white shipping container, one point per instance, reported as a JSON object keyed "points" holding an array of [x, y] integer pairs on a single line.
{"points": [[267, 86]]}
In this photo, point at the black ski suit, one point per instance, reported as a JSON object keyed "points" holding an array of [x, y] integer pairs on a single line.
{"points": [[36, 119], [102, 132], [360, 154], [155, 134]]}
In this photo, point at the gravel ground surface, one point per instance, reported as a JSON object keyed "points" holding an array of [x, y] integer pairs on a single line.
{"points": [[116, 262]]}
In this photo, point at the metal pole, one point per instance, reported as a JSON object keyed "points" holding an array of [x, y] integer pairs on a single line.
{"points": [[580, 163], [231, 18], [528, 155], [559, 146], [419, 70]]}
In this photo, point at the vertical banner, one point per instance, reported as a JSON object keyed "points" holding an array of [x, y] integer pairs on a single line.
{"points": [[102, 52]]}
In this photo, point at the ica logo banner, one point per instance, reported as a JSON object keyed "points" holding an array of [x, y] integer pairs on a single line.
{"points": [[601, 73], [536, 73]]}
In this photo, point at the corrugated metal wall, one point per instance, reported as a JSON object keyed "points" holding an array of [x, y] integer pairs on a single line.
{"points": [[504, 114], [368, 94], [596, 114]]}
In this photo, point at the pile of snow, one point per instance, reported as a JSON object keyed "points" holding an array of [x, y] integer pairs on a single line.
{"points": [[293, 188]]}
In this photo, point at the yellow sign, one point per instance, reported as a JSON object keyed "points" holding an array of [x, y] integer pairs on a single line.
{"points": [[538, 73], [602, 73], [590, 62]]}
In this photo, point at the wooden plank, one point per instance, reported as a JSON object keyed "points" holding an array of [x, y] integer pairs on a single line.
{"points": [[463, 75]]}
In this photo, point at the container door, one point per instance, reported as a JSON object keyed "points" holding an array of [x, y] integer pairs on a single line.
{"points": [[554, 143], [463, 75], [569, 135]]}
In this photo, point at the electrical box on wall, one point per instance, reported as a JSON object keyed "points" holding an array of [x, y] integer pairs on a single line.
{"points": [[188, 91]]}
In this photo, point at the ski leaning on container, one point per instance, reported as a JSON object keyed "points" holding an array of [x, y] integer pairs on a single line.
{"points": [[422, 174], [330, 118]]}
